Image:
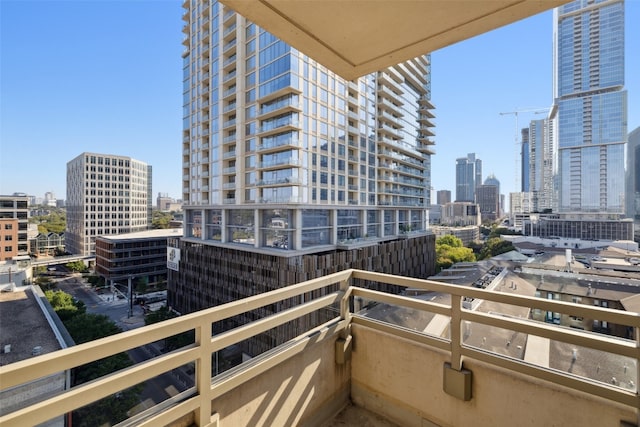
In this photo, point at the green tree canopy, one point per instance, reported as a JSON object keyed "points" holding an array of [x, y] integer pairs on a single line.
{"points": [[449, 240], [495, 246], [64, 304], [54, 222], [77, 266], [173, 342], [161, 219], [449, 250], [113, 409]]}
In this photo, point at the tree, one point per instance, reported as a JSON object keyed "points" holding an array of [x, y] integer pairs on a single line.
{"points": [[449, 250], [141, 284], [54, 222], [113, 409], [495, 246], [43, 282], [160, 219], [77, 266], [64, 304], [173, 342]]}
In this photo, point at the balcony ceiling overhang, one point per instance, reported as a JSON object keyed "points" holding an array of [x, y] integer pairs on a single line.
{"points": [[357, 37]]}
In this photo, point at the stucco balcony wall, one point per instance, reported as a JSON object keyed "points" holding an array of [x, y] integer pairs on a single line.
{"points": [[402, 381]]}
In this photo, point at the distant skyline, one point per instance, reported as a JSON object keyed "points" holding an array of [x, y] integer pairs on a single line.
{"points": [[106, 77]]}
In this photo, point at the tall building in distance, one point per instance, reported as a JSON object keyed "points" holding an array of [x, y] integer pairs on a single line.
{"points": [[488, 198], [633, 175], [541, 171], [106, 195], [524, 160], [590, 105], [468, 177], [443, 197], [492, 180], [14, 223], [283, 161]]}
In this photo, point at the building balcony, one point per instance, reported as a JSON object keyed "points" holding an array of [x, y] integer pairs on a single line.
{"points": [[276, 164], [274, 127], [289, 104], [229, 171], [278, 145], [455, 371]]}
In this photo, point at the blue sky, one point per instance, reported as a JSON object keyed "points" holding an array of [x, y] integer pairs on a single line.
{"points": [[105, 76]]}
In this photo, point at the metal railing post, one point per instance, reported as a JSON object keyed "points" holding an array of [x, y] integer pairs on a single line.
{"points": [[203, 371], [455, 332]]}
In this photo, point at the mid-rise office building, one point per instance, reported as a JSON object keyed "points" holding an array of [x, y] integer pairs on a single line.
{"points": [[443, 196], [106, 195], [633, 176], [14, 224], [459, 214], [591, 105], [582, 226], [488, 199], [290, 171], [468, 177], [141, 255], [520, 206]]}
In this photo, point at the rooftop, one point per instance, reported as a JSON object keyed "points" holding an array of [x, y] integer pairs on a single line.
{"points": [[147, 234], [24, 327]]}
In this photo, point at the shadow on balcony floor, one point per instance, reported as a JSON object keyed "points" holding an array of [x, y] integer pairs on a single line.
{"points": [[354, 415]]}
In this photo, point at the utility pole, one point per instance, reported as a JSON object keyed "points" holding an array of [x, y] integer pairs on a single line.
{"points": [[518, 152]]}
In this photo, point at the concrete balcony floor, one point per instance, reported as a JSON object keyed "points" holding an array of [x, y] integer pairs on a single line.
{"points": [[355, 416]]}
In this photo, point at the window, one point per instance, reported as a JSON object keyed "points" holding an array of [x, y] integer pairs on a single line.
{"points": [[8, 226], [8, 248]]}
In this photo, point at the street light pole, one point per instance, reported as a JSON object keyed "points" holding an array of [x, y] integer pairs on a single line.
{"points": [[130, 294]]}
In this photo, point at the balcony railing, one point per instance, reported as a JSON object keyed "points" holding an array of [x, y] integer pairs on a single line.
{"points": [[428, 369]]}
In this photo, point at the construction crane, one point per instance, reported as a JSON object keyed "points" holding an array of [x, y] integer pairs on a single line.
{"points": [[517, 151]]}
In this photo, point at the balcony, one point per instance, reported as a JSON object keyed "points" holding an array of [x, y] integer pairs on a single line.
{"points": [[455, 371]]}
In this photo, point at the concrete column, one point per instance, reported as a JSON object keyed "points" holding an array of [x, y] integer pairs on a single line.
{"points": [[364, 223], [334, 226], [202, 224], [223, 225], [257, 232], [297, 226]]}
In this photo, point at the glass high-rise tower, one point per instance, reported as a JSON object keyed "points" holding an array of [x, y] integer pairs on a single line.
{"points": [[284, 164], [272, 137], [591, 105], [468, 177]]}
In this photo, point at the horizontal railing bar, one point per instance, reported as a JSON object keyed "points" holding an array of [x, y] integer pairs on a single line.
{"points": [[249, 330], [261, 364], [170, 415], [81, 354], [402, 301], [157, 408], [41, 366], [574, 382], [606, 314], [405, 333], [93, 391], [601, 342]]}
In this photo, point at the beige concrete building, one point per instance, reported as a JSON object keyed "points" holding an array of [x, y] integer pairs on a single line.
{"points": [[106, 195], [291, 168]]}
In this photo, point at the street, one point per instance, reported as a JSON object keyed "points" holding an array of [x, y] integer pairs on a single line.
{"points": [[156, 389]]}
